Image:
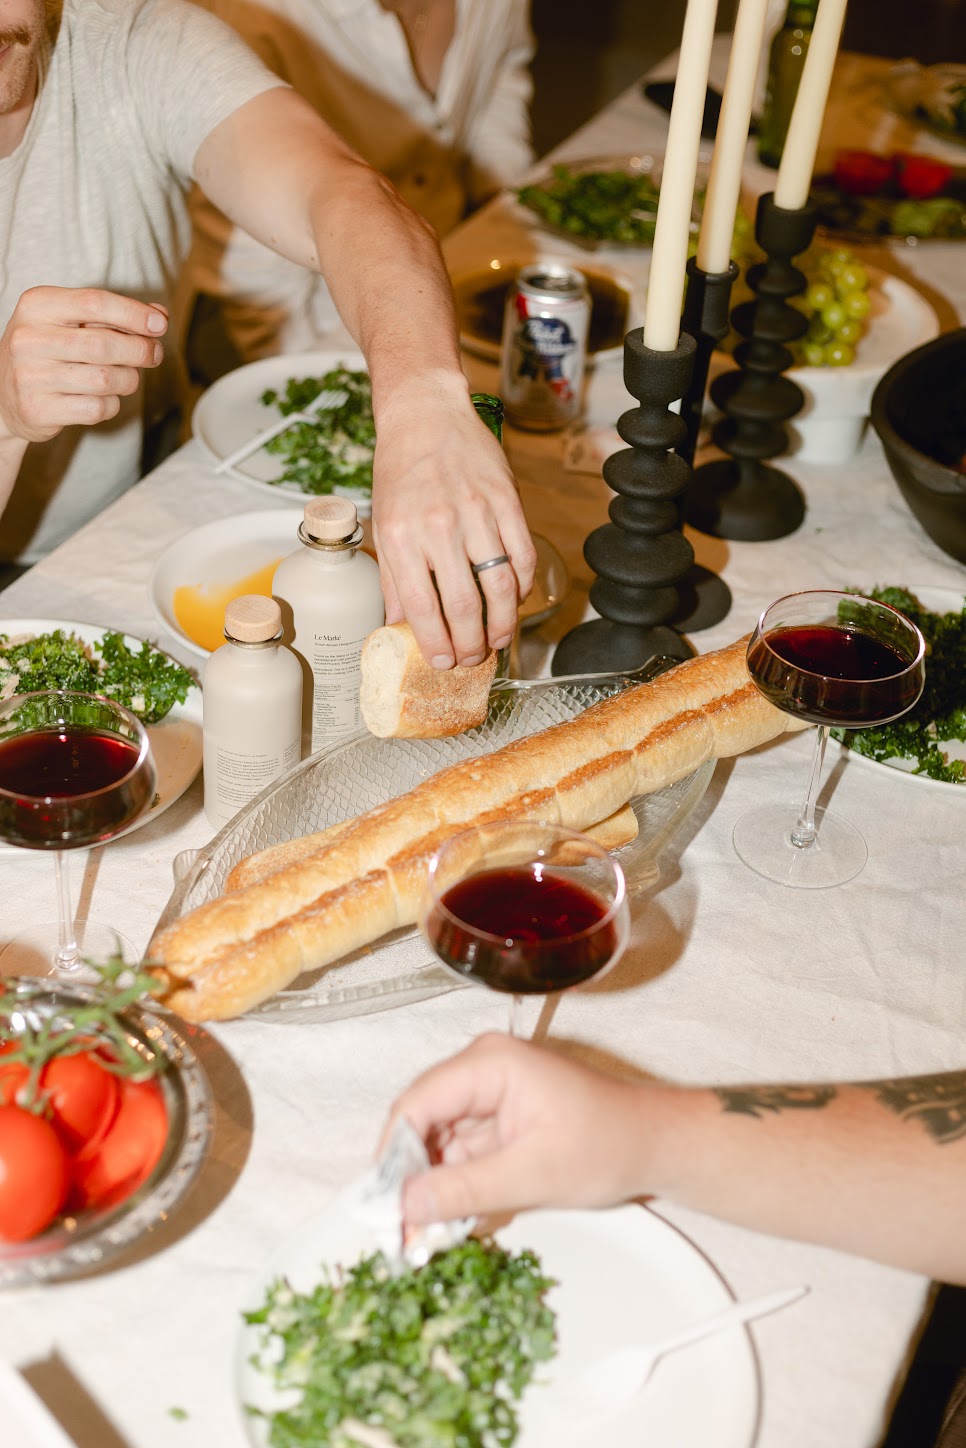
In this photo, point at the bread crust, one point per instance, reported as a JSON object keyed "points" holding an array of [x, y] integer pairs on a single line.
{"points": [[403, 697], [365, 877]]}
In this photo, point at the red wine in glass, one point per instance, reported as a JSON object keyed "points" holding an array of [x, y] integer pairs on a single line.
{"points": [[833, 674], [43, 771], [523, 930], [525, 908], [827, 658], [75, 770]]}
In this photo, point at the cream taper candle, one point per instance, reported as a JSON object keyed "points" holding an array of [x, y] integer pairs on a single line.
{"points": [[669, 256], [724, 184], [801, 142]]}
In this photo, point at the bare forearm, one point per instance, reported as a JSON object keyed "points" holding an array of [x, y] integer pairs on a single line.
{"points": [[876, 1169]]}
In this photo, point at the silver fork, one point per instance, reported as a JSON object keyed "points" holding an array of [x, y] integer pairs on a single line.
{"points": [[324, 402]]}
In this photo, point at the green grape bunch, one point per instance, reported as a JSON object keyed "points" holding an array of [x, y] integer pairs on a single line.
{"points": [[837, 304]]}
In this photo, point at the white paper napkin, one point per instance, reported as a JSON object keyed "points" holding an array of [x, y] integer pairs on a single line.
{"points": [[26, 1421]]}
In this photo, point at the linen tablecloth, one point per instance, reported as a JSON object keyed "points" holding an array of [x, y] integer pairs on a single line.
{"points": [[728, 977]]}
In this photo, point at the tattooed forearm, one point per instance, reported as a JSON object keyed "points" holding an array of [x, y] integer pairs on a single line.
{"points": [[938, 1102], [756, 1100]]}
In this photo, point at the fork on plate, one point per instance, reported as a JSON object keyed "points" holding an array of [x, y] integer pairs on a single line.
{"points": [[326, 401]]}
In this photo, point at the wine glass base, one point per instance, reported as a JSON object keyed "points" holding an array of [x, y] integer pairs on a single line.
{"points": [[33, 951], [762, 839]]}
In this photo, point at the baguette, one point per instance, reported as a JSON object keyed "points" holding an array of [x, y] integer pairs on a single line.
{"points": [[617, 830], [238, 950], [403, 697]]}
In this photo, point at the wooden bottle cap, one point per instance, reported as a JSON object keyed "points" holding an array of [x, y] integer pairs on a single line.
{"points": [[252, 618], [330, 519]]}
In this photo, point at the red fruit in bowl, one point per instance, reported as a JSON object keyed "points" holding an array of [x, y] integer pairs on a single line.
{"points": [[82, 1098], [862, 173], [33, 1174], [130, 1151], [921, 176]]}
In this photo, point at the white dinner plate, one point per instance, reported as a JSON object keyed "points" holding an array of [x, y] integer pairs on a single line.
{"points": [[231, 411], [218, 556], [617, 305], [623, 1276], [937, 600], [175, 739]]}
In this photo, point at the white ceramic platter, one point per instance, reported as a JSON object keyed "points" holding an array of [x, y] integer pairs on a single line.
{"points": [[175, 740], [623, 1276], [231, 412], [938, 600]]}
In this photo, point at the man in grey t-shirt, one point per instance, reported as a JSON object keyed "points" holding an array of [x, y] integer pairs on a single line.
{"points": [[108, 110]]}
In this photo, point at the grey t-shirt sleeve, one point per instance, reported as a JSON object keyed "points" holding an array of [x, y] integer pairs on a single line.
{"points": [[187, 72]]}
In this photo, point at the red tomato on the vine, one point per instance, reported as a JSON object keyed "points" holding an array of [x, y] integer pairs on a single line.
{"points": [[129, 1152], [13, 1074], [33, 1174], [82, 1099]]}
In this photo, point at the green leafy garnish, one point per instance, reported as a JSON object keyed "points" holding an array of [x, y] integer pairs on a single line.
{"points": [[146, 681], [432, 1358], [940, 714], [336, 449], [603, 205]]}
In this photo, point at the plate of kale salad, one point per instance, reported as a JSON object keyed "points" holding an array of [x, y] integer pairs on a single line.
{"points": [[340, 1347], [38, 654], [926, 746]]}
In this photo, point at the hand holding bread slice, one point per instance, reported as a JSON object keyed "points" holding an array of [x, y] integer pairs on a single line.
{"points": [[404, 697], [367, 876]]}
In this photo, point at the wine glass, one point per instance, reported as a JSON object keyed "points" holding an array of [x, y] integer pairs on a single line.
{"points": [[75, 770], [832, 659], [525, 908]]}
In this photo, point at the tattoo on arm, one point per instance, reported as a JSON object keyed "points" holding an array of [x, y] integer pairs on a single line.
{"points": [[937, 1102], [756, 1100]]}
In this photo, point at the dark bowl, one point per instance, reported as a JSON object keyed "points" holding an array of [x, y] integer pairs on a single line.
{"points": [[919, 412]]}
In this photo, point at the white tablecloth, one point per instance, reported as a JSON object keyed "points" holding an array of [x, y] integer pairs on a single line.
{"points": [[728, 978]]}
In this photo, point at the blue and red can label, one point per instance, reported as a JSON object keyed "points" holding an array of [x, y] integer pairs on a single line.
{"points": [[545, 346]]}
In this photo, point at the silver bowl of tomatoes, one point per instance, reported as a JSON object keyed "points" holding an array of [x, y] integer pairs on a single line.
{"points": [[105, 1120]]}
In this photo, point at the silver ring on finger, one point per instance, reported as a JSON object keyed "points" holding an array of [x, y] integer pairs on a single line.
{"points": [[479, 568]]}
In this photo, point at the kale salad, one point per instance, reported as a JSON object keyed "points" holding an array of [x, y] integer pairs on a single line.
{"points": [[334, 450], [143, 679], [940, 715], [433, 1357]]}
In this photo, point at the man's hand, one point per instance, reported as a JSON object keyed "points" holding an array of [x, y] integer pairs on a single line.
{"points": [[443, 499], [69, 356]]}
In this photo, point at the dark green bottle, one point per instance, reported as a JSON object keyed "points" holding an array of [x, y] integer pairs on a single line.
{"points": [[785, 61], [490, 410]]}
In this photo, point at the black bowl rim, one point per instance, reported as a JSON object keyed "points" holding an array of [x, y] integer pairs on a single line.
{"points": [[938, 476]]}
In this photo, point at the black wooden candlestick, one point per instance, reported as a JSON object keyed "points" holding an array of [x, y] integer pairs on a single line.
{"points": [[741, 496], [706, 306], [641, 555]]}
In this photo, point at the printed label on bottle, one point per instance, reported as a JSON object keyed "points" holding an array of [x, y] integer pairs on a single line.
{"points": [[335, 703], [239, 777]]}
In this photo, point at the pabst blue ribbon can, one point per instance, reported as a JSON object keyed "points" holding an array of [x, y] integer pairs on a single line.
{"points": [[545, 346]]}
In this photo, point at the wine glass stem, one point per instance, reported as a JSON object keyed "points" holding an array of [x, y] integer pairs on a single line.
{"points": [[516, 1017], [803, 835], [67, 956]]}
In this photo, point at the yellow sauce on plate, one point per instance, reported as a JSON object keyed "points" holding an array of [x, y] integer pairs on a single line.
{"points": [[200, 610]]}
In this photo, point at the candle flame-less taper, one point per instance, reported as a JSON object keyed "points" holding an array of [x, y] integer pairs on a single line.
{"points": [[724, 183], [234, 952], [669, 254], [804, 128]]}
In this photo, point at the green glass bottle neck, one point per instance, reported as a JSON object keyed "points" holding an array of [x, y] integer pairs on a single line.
{"points": [[490, 410], [800, 16]]}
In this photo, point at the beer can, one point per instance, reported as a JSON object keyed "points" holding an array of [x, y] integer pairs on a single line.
{"points": [[544, 346]]}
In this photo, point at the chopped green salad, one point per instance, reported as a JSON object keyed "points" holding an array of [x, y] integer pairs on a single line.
{"points": [[144, 680], [334, 450], [432, 1358], [940, 714]]}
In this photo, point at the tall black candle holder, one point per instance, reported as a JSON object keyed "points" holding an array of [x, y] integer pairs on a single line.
{"points": [[741, 496], [707, 303], [641, 556]]}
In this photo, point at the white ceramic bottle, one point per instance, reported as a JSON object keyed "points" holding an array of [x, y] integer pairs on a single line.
{"points": [[331, 601], [251, 708]]}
